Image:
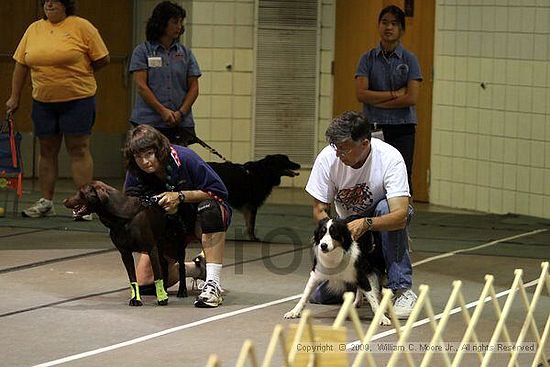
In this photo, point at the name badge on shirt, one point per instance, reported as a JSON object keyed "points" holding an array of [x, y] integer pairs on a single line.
{"points": [[154, 61]]}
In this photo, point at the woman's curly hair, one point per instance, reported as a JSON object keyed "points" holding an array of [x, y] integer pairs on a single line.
{"points": [[70, 7], [158, 21]]}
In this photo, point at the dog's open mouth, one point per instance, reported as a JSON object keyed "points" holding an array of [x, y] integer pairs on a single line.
{"points": [[80, 210], [291, 173]]}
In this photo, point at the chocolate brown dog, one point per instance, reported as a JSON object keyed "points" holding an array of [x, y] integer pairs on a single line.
{"points": [[134, 225]]}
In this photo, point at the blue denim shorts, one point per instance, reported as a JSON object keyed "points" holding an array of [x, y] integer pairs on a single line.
{"points": [[74, 117]]}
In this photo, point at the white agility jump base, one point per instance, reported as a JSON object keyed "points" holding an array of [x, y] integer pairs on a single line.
{"points": [[305, 334]]}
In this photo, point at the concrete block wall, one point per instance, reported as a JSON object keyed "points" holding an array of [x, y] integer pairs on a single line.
{"points": [[491, 111]]}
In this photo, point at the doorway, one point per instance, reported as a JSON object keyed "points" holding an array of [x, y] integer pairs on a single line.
{"points": [[356, 24]]}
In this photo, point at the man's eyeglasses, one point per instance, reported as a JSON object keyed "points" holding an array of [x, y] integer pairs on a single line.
{"points": [[341, 152], [344, 152]]}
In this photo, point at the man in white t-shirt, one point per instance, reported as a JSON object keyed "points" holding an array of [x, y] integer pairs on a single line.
{"points": [[366, 178]]}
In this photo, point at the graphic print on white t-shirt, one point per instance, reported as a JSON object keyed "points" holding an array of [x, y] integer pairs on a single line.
{"points": [[357, 191], [358, 198]]}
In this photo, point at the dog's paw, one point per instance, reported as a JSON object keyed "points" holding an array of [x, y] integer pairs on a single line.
{"points": [[162, 302], [293, 314], [135, 302], [385, 321]]}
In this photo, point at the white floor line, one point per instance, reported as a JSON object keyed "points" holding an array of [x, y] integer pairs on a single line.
{"points": [[488, 244], [263, 305], [165, 332]]}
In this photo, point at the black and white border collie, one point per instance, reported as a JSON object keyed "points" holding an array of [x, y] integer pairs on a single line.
{"points": [[343, 262]]}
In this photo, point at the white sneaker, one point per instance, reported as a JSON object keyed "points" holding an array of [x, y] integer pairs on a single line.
{"points": [[83, 218], [42, 208], [404, 302], [210, 296]]}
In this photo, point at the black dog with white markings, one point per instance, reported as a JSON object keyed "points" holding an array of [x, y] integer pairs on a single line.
{"points": [[250, 184], [344, 262]]}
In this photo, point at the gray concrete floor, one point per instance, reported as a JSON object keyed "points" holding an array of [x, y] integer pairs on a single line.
{"points": [[65, 298]]}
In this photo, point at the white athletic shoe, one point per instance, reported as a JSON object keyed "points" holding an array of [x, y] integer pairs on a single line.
{"points": [[404, 302], [210, 296], [42, 208]]}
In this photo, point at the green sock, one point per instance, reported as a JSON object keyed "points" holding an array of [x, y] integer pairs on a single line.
{"points": [[161, 293], [135, 291]]}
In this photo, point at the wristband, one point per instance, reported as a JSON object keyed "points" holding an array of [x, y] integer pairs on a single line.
{"points": [[181, 197]]}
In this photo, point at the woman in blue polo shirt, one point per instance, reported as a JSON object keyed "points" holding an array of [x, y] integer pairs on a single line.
{"points": [[387, 82], [166, 75]]}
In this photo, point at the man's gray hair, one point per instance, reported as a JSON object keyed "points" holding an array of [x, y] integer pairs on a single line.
{"points": [[349, 125]]}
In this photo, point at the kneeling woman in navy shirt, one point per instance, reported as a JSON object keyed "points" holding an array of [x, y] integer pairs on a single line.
{"points": [[189, 190]]}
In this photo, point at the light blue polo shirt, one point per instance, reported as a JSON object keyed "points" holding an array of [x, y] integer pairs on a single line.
{"points": [[385, 74], [168, 82]]}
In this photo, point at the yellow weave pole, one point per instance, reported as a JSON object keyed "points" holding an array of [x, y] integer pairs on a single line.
{"points": [[247, 354], [440, 327], [385, 304], [213, 361], [472, 322], [407, 329], [497, 308], [529, 318], [276, 337], [348, 309], [539, 353], [502, 317], [305, 322]]}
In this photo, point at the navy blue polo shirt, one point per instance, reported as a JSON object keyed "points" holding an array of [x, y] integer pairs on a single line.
{"points": [[386, 73], [168, 82]]}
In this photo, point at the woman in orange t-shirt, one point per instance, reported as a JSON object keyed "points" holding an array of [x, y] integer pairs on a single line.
{"points": [[62, 51]]}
